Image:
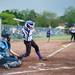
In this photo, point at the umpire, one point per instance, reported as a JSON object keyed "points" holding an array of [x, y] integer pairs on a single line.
{"points": [[72, 31]]}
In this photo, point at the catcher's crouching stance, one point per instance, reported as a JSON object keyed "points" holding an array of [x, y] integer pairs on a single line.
{"points": [[7, 60]]}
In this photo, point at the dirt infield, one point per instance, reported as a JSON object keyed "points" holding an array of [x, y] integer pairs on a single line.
{"points": [[62, 62]]}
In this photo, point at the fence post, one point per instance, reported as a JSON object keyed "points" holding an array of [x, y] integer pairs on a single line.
{"points": [[0, 27]]}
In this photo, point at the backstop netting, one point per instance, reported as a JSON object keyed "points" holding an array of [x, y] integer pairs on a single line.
{"points": [[40, 32]]}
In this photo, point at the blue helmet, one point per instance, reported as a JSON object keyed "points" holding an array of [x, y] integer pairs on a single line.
{"points": [[29, 24], [5, 33]]}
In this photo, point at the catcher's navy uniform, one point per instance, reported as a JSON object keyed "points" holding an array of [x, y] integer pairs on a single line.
{"points": [[7, 60], [27, 31]]}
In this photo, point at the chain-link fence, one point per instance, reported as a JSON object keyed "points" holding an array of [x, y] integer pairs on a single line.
{"points": [[40, 32]]}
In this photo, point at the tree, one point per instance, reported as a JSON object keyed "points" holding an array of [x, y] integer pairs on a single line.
{"points": [[25, 14], [41, 21], [7, 18], [69, 16], [46, 18], [31, 15]]}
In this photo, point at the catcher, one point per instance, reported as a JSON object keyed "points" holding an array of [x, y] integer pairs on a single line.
{"points": [[7, 60]]}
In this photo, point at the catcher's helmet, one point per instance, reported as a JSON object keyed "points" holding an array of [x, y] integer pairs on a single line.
{"points": [[5, 33]]}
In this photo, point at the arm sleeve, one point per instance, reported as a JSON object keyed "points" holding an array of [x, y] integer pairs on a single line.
{"points": [[23, 33]]}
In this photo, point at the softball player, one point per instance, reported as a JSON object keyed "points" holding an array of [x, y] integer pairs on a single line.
{"points": [[72, 31], [7, 60], [48, 33], [27, 31]]}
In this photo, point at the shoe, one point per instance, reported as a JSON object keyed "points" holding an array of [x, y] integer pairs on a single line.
{"points": [[43, 59], [6, 66], [20, 58]]}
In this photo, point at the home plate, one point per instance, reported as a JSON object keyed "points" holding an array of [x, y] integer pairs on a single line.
{"points": [[37, 65], [32, 67], [41, 64]]}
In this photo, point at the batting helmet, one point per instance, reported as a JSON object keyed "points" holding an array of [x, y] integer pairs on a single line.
{"points": [[29, 24]]}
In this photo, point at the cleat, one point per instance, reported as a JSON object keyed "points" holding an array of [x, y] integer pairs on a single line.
{"points": [[43, 59], [6, 66], [20, 58]]}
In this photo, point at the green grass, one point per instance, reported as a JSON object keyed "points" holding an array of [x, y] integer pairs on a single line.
{"points": [[55, 37], [60, 37]]}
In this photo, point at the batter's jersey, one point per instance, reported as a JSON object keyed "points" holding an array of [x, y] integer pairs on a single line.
{"points": [[27, 34]]}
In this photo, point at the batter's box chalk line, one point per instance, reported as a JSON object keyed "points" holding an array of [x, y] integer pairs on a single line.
{"points": [[37, 65], [59, 50], [40, 70]]}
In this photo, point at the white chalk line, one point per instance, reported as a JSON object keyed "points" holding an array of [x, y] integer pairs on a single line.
{"points": [[57, 51], [39, 70]]}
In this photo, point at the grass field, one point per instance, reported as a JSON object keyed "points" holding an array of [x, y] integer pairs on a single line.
{"points": [[55, 37]]}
